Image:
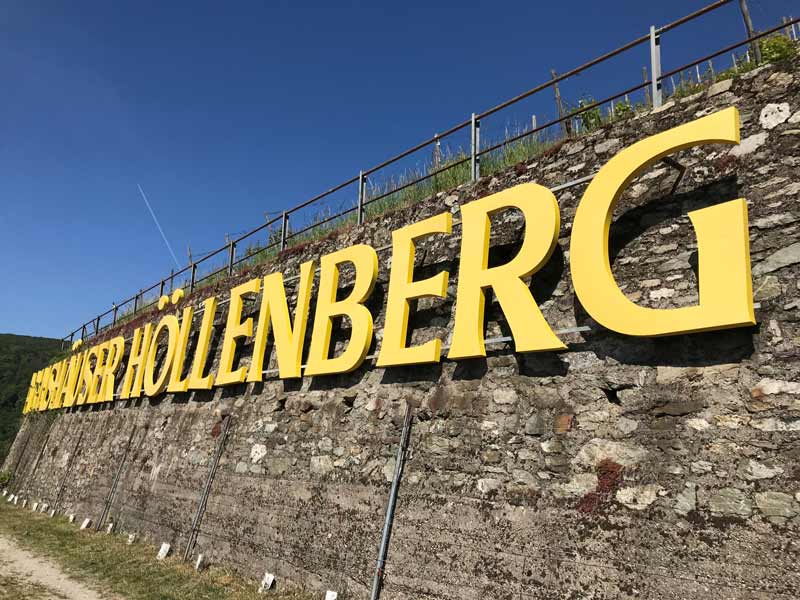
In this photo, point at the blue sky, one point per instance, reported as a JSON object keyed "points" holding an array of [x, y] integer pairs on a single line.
{"points": [[222, 111]]}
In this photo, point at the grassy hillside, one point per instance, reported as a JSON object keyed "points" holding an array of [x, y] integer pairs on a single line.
{"points": [[20, 356]]}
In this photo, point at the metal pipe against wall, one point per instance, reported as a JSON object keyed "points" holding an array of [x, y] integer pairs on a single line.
{"points": [[20, 455], [63, 484], [201, 507], [39, 457], [112, 492], [377, 582]]}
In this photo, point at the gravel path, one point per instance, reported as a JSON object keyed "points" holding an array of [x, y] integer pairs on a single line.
{"points": [[38, 577]]}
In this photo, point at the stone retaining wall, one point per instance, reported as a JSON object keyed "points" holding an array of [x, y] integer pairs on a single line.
{"points": [[620, 468]]}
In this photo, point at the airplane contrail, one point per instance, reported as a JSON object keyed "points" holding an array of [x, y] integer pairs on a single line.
{"points": [[144, 197]]}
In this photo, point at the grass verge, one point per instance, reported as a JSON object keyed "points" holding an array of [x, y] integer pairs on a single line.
{"points": [[108, 562]]}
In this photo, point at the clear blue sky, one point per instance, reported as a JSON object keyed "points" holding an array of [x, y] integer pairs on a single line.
{"points": [[225, 110]]}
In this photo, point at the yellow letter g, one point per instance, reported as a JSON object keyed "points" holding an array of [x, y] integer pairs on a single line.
{"points": [[725, 287]]}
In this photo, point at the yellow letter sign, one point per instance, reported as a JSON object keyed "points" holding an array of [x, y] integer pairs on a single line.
{"points": [[726, 298], [403, 288], [365, 262], [542, 221]]}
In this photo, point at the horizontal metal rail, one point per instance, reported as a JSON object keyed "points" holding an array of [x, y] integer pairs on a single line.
{"points": [[287, 235], [322, 222], [727, 49], [416, 181]]}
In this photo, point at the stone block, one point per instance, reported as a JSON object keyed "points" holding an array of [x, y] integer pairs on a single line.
{"points": [[777, 504], [730, 502], [719, 87], [638, 497]]}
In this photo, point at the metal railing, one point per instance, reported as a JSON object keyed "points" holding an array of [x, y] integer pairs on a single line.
{"points": [[225, 261]]}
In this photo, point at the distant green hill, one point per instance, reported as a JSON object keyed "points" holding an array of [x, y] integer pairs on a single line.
{"points": [[20, 357]]}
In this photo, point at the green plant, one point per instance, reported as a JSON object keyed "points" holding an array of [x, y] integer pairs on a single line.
{"points": [[777, 48], [5, 477], [592, 118], [622, 110]]}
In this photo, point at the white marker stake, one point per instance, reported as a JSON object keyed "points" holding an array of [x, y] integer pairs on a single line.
{"points": [[163, 552], [71, 519], [52, 512], [131, 539], [110, 529], [86, 523], [201, 563], [329, 595], [5, 493], [266, 583], [35, 507]]}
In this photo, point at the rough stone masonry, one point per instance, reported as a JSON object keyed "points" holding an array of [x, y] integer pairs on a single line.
{"points": [[621, 468]]}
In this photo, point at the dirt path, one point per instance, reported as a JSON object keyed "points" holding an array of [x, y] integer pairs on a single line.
{"points": [[24, 575]]}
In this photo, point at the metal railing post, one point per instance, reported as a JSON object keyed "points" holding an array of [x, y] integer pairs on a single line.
{"points": [[114, 318], [361, 196], [475, 142], [83, 331], [231, 256], [97, 325], [161, 289], [136, 301], [655, 66], [284, 230], [194, 277], [171, 280]]}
